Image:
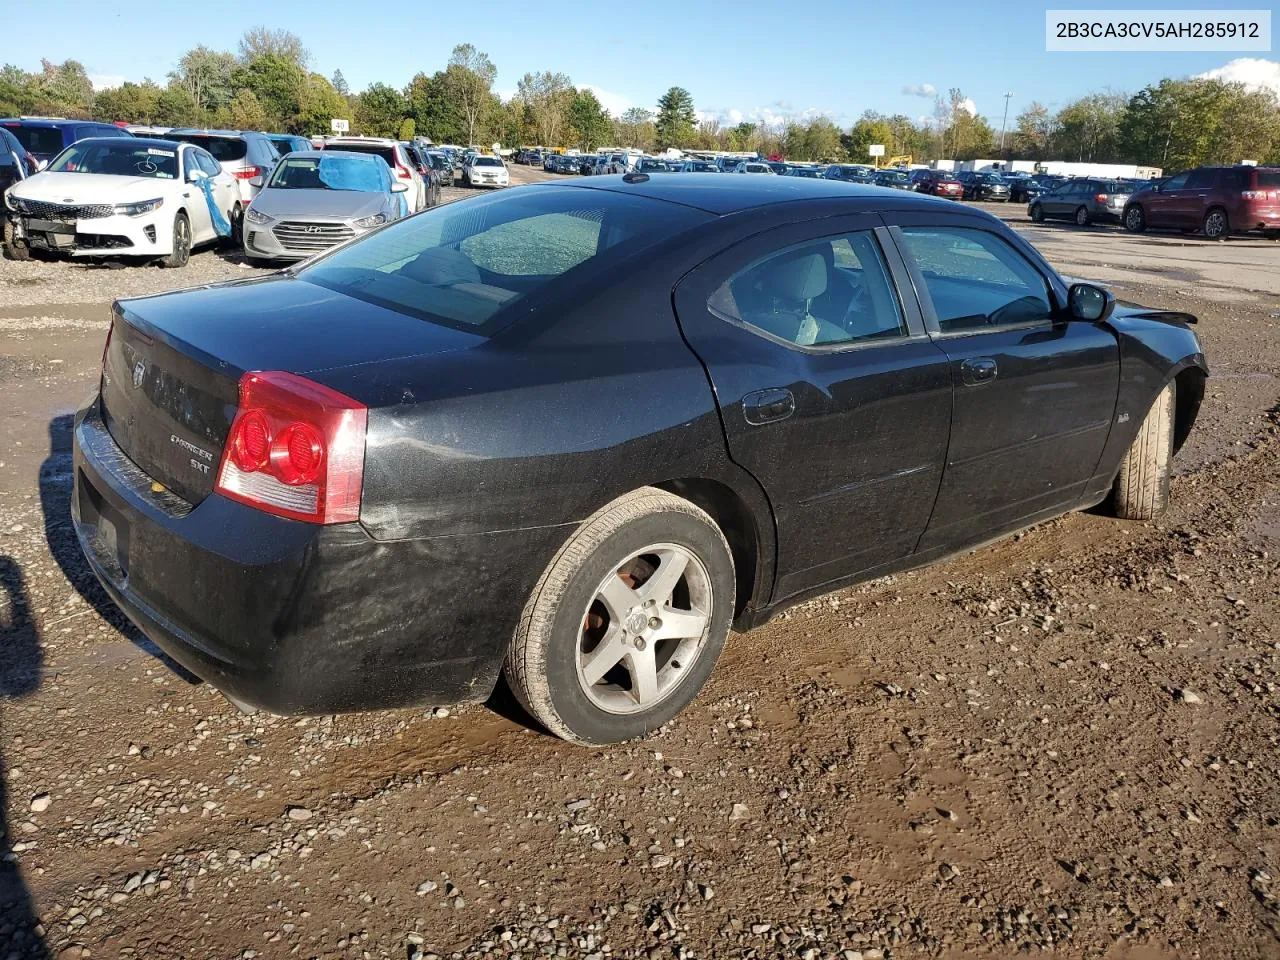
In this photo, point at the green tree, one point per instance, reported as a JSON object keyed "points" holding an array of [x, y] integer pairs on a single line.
{"points": [[340, 83], [246, 112], [131, 102], [175, 107], [320, 103], [277, 82], [676, 118], [468, 80], [635, 128], [380, 111], [1032, 129], [15, 90], [434, 112], [206, 75], [1177, 124], [546, 97], [870, 128], [61, 88], [1088, 129], [589, 120], [744, 136], [263, 41], [407, 129]]}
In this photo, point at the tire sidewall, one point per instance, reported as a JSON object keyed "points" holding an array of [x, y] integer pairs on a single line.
{"points": [[1082, 217], [1225, 226], [587, 721], [180, 257], [1135, 220], [1037, 212]]}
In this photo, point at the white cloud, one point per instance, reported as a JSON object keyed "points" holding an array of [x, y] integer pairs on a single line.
{"points": [[1254, 72], [969, 107], [615, 103], [106, 81], [778, 113], [920, 90]]}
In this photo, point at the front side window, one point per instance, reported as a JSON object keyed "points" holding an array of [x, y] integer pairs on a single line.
{"points": [[976, 280], [822, 293], [462, 265], [1175, 183]]}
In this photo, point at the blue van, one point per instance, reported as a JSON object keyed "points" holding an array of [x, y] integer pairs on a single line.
{"points": [[45, 137]]}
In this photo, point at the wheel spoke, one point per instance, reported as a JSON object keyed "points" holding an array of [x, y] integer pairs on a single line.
{"points": [[644, 674], [607, 654], [618, 598], [662, 582], [680, 624]]}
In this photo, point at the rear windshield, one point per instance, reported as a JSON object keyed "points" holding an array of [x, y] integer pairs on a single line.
{"points": [[386, 153], [117, 157], [41, 140], [1114, 186], [1269, 178], [462, 264], [224, 149]]}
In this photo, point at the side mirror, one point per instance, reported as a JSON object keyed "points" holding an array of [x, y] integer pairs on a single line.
{"points": [[41, 164], [258, 182], [1090, 303], [195, 174], [399, 187]]}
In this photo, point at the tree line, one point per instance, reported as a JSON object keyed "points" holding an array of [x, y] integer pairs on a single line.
{"points": [[268, 84]]}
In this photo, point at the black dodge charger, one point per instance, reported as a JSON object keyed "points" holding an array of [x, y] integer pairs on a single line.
{"points": [[577, 431]]}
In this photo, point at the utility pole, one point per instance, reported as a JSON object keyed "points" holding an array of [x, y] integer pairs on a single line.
{"points": [[1005, 122]]}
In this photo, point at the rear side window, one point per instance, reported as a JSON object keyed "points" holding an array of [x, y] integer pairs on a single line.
{"points": [[224, 149], [1268, 177], [462, 265], [821, 293], [976, 280], [38, 140]]}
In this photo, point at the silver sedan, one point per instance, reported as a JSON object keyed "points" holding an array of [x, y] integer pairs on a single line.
{"points": [[315, 199]]}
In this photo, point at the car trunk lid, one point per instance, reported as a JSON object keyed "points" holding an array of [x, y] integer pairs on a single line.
{"points": [[171, 371]]}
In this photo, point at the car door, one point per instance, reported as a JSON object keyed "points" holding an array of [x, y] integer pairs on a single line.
{"points": [[226, 191], [1034, 390], [1192, 202], [831, 393], [1056, 201], [1162, 206], [193, 195]]}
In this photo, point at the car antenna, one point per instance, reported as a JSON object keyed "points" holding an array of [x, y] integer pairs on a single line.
{"points": [[635, 178]]}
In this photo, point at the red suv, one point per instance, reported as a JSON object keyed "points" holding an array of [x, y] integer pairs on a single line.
{"points": [[1214, 200]]}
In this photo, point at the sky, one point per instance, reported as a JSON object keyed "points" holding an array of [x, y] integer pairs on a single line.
{"points": [[758, 60]]}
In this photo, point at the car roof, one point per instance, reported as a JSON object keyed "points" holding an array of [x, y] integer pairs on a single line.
{"points": [[51, 122], [199, 132], [321, 154], [725, 195]]}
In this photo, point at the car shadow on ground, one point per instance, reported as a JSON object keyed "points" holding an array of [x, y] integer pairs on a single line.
{"points": [[56, 475], [20, 663]]}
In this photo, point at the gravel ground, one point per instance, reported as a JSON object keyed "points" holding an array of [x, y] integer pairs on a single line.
{"points": [[1063, 742]]}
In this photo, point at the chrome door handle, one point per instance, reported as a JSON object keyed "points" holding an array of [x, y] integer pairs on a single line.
{"points": [[978, 370], [768, 406]]}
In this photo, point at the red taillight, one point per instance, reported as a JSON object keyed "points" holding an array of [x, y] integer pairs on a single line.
{"points": [[296, 449], [403, 173], [1259, 194], [1100, 197], [248, 173]]}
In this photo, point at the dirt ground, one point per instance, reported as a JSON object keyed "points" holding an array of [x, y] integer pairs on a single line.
{"points": [[1063, 742]]}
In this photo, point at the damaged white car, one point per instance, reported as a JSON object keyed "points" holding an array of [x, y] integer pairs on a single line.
{"points": [[123, 197]]}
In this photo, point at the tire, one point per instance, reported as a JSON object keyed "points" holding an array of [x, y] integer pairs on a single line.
{"points": [[1135, 219], [1082, 216], [236, 240], [14, 249], [1037, 213], [1141, 490], [567, 619], [1216, 226], [181, 254]]}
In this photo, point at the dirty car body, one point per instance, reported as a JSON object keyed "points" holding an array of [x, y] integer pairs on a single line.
{"points": [[572, 343]]}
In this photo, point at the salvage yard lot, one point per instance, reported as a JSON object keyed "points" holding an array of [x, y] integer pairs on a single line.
{"points": [[1065, 740]]}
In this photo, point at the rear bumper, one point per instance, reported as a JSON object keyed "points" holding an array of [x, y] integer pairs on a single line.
{"points": [[293, 617]]}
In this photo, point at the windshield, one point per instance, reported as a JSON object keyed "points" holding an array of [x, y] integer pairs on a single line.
{"points": [[224, 149], [464, 264], [361, 174], [37, 140], [494, 161], [117, 157]]}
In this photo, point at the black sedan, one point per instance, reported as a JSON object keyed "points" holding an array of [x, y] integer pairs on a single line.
{"points": [[1024, 189], [985, 186], [576, 431], [894, 179]]}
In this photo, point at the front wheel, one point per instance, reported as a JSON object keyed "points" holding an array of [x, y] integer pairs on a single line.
{"points": [[1141, 490], [1082, 216], [14, 248], [1037, 213], [626, 623], [1135, 221], [181, 254]]}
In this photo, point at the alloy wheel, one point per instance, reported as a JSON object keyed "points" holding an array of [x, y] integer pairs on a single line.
{"points": [[643, 629], [1215, 224]]}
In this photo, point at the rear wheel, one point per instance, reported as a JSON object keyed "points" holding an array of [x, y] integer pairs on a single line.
{"points": [[1037, 213], [1135, 220], [236, 240], [1082, 216], [181, 254], [1141, 490], [627, 622], [1215, 224]]}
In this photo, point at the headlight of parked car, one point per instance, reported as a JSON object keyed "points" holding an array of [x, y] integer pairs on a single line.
{"points": [[139, 208], [253, 216], [13, 203], [373, 221]]}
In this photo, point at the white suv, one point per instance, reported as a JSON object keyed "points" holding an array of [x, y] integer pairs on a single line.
{"points": [[392, 151]]}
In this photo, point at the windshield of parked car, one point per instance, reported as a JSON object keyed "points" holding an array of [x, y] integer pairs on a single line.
{"points": [[463, 265], [42, 140], [361, 174], [118, 157], [488, 162], [224, 149]]}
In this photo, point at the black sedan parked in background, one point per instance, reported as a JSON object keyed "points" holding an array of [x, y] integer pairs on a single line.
{"points": [[1024, 189], [984, 186], [895, 179], [577, 430]]}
